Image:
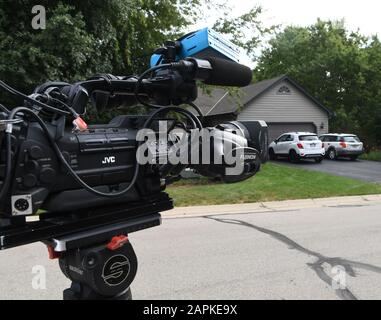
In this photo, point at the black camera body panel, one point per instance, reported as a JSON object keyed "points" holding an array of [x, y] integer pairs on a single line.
{"points": [[259, 137], [104, 156], [134, 216]]}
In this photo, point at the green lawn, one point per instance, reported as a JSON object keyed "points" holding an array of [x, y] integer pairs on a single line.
{"points": [[372, 156], [274, 182]]}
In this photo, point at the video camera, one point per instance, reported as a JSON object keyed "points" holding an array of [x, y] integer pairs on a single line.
{"points": [[75, 186]]}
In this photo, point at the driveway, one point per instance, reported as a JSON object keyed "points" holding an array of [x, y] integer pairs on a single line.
{"points": [[363, 170], [330, 253]]}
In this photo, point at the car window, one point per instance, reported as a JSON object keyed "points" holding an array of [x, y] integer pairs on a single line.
{"points": [[289, 138], [332, 139], [308, 138], [283, 138], [350, 139]]}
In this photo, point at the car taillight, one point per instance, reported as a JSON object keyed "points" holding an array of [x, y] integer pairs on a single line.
{"points": [[323, 145], [300, 146], [343, 145]]}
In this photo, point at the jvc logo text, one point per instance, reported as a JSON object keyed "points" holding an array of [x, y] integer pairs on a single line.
{"points": [[109, 160]]}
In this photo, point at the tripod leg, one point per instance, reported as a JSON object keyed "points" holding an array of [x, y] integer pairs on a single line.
{"points": [[79, 291]]}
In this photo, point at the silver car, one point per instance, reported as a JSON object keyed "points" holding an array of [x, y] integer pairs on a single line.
{"points": [[342, 145]]}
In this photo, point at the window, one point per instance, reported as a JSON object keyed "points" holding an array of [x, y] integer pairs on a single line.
{"points": [[350, 139], [284, 138], [284, 90], [308, 138], [328, 138], [289, 138]]}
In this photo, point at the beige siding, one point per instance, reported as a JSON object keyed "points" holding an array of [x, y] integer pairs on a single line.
{"points": [[287, 108]]}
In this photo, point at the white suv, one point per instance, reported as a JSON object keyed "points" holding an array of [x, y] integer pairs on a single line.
{"points": [[296, 146], [342, 145]]}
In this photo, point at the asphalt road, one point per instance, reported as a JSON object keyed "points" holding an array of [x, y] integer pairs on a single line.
{"points": [[363, 170], [278, 255]]}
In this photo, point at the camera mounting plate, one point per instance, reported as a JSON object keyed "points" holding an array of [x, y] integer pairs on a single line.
{"points": [[133, 217]]}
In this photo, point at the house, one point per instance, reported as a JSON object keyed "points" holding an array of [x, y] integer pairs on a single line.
{"points": [[280, 101]]}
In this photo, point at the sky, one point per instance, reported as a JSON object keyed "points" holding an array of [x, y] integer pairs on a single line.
{"points": [[364, 15]]}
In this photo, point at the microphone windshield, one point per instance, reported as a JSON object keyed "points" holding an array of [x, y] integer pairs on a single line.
{"points": [[228, 73]]}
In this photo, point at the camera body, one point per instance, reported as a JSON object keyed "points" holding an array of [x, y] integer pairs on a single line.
{"points": [[104, 156]]}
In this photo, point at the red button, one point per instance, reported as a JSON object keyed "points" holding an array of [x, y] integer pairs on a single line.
{"points": [[117, 242], [53, 254]]}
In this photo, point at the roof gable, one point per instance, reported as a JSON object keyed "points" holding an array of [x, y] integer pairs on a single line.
{"points": [[220, 103]]}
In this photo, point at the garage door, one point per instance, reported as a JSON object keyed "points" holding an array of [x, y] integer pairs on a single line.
{"points": [[276, 129]]}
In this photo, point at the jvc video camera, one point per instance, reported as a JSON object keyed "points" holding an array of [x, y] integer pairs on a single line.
{"points": [[73, 185]]}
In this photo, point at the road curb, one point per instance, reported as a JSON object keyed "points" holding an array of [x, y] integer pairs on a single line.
{"points": [[274, 206]]}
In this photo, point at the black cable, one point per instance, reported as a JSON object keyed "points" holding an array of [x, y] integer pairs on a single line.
{"points": [[38, 103], [8, 166], [64, 162], [4, 108], [73, 112], [140, 80], [187, 113], [198, 110], [160, 109]]}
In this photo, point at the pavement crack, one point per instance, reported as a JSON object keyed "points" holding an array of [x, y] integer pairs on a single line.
{"points": [[266, 207], [349, 266]]}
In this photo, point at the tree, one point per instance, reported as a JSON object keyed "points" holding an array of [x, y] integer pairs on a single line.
{"points": [[340, 68], [372, 91], [246, 31]]}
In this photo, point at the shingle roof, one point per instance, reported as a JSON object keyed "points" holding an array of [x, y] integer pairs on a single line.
{"points": [[220, 102]]}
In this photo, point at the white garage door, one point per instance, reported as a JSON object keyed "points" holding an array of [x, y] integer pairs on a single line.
{"points": [[276, 129]]}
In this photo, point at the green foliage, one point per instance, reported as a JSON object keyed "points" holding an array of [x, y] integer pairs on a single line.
{"points": [[341, 68], [372, 156], [246, 31]]}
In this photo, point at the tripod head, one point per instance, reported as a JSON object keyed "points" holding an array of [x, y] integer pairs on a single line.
{"points": [[100, 272]]}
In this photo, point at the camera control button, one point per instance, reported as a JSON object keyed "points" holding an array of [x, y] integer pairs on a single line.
{"points": [[30, 180], [36, 152], [31, 166], [47, 175]]}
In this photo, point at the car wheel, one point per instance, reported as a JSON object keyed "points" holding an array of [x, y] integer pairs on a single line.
{"points": [[319, 160], [353, 158], [272, 154], [332, 154], [294, 157]]}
